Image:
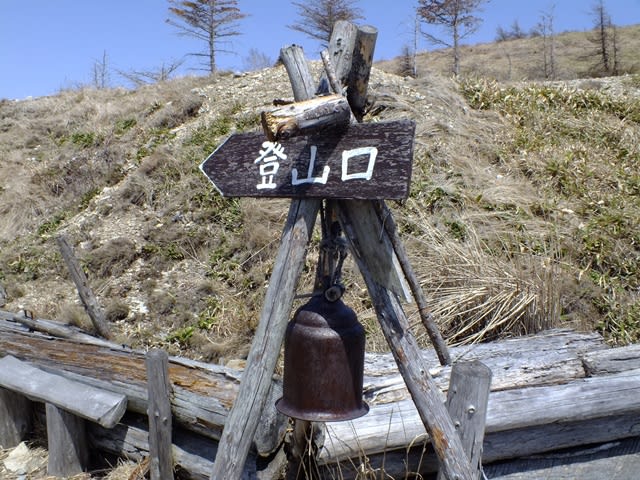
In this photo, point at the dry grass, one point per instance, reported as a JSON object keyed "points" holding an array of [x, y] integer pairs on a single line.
{"points": [[477, 296]]}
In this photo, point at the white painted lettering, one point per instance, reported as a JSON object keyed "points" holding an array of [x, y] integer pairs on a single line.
{"points": [[368, 173], [312, 162], [270, 165]]}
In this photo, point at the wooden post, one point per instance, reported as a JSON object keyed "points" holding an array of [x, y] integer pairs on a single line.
{"points": [[159, 413], [15, 418], [66, 442], [361, 69], [395, 326], [341, 48], [89, 300], [467, 401], [306, 438]]}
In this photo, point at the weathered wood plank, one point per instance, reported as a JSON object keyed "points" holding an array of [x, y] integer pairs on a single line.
{"points": [[498, 446], [100, 406], [543, 359], [467, 404], [159, 414], [363, 161], [15, 418], [66, 442], [548, 358], [615, 460], [542, 438], [580, 400], [56, 329]]}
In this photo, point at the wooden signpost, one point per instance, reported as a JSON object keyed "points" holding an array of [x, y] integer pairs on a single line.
{"points": [[358, 165], [363, 161]]}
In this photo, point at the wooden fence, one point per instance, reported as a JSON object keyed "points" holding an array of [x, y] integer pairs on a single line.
{"points": [[553, 390]]}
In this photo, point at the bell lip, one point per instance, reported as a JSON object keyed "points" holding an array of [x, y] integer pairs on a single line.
{"points": [[320, 416]]}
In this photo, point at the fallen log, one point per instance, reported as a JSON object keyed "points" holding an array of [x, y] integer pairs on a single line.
{"points": [[614, 360], [559, 429], [547, 358], [419, 457]]}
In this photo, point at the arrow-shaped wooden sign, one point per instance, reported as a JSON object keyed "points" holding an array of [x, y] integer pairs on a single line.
{"points": [[363, 161]]}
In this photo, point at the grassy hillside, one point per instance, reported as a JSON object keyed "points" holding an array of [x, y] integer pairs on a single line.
{"points": [[575, 56], [523, 210]]}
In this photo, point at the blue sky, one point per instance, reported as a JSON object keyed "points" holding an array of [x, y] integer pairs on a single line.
{"points": [[47, 45]]}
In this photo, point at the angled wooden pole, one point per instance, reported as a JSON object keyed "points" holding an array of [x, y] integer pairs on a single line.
{"points": [[393, 321], [89, 300], [430, 325], [425, 393], [243, 419]]}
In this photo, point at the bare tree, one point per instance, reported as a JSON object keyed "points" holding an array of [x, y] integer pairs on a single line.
{"points": [[605, 39], [212, 21], [407, 66], [256, 60], [545, 27], [100, 72], [154, 75], [317, 17], [514, 33], [457, 17], [615, 46]]}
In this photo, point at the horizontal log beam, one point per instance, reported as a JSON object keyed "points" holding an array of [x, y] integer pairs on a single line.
{"points": [[580, 400], [306, 117], [614, 360], [546, 358], [498, 446]]}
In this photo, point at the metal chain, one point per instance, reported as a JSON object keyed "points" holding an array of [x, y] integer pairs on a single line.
{"points": [[333, 252]]}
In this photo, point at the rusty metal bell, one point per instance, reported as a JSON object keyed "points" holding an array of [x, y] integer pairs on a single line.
{"points": [[323, 363]]}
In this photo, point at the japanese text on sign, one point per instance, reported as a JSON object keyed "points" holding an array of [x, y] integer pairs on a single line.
{"points": [[272, 152]]}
